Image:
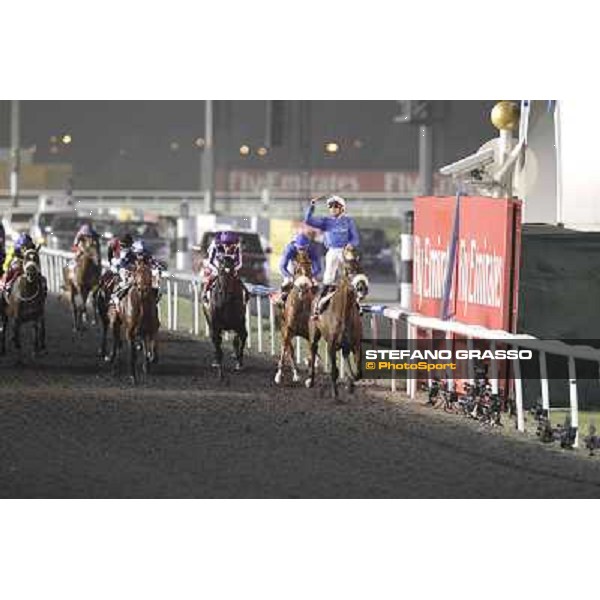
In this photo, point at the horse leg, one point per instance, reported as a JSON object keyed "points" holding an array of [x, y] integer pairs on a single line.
{"points": [[282, 354], [132, 359], [43, 332], [4, 324], [94, 307], [314, 345], [74, 308], [84, 313], [17, 339], [241, 337], [351, 373], [217, 343], [334, 369], [290, 350]]}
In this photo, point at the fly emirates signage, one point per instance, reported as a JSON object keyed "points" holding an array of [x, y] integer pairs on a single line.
{"points": [[485, 270]]}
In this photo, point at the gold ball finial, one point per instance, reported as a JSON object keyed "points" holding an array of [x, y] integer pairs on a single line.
{"points": [[505, 115]]}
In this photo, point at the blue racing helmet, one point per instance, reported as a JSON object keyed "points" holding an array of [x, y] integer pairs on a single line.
{"points": [[302, 241], [24, 241], [139, 247]]}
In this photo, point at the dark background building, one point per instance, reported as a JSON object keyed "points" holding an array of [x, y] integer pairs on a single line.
{"points": [[158, 144]]}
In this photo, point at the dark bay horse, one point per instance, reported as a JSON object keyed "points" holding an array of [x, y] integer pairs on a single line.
{"points": [[137, 316], [83, 281], [226, 311], [340, 326], [296, 313], [103, 294], [25, 304]]}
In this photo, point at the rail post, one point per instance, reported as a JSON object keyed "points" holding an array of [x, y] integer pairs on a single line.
{"points": [[573, 398], [259, 333]]}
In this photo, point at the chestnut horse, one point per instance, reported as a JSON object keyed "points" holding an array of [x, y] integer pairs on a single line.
{"points": [[296, 313], [137, 315], [81, 281], [340, 326]]}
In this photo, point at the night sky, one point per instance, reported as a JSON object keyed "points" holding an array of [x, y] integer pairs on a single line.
{"points": [[151, 144]]}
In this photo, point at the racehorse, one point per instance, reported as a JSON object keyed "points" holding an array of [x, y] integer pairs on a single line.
{"points": [[81, 281], [296, 313], [25, 304], [226, 311], [103, 294], [340, 326], [137, 315]]}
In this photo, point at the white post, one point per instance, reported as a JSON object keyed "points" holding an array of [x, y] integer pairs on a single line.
{"points": [[169, 307], [298, 349], [272, 326], [249, 344], [411, 380], [175, 304], [470, 367], [196, 309], [573, 398], [450, 376], [259, 322], [518, 394], [494, 373], [544, 381]]}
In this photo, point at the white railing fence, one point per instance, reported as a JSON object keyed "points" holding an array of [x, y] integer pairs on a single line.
{"points": [[180, 310]]}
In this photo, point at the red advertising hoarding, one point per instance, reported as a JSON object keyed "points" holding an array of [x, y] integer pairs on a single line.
{"points": [[485, 271]]}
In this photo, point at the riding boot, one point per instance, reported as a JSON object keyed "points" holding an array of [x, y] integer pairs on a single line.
{"points": [[322, 293]]}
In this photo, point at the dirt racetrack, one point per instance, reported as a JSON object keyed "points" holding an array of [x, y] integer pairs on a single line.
{"points": [[68, 428]]}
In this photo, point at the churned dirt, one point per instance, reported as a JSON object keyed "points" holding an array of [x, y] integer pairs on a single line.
{"points": [[70, 428]]}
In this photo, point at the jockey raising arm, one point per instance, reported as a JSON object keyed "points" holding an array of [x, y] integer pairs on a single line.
{"points": [[340, 232]]}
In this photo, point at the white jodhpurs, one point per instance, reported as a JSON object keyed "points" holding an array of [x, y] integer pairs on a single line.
{"points": [[333, 261]]}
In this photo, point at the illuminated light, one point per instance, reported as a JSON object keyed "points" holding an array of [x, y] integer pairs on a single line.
{"points": [[244, 150], [53, 150], [332, 147], [67, 139], [174, 146], [199, 142], [262, 151]]}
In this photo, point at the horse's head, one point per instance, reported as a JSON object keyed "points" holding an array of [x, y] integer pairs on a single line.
{"points": [[351, 260], [303, 264], [31, 264], [303, 284], [360, 283], [142, 276], [226, 265]]}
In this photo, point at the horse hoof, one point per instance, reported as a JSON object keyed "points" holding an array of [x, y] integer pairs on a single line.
{"points": [[308, 383], [277, 378], [238, 366], [295, 378], [215, 364]]}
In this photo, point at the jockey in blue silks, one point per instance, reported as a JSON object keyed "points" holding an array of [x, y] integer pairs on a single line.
{"points": [[300, 242], [340, 232]]}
